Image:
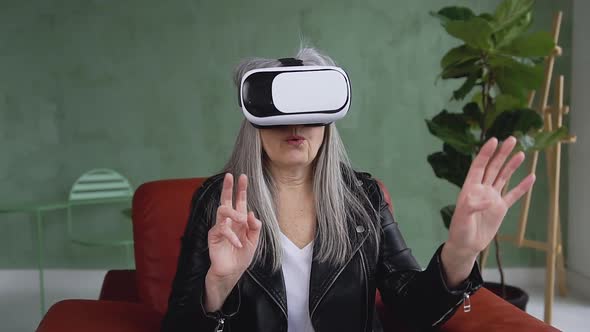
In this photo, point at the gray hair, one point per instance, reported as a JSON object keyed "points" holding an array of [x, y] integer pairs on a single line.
{"points": [[336, 203]]}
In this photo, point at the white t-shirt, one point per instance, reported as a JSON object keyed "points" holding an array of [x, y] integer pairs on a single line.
{"points": [[297, 271]]}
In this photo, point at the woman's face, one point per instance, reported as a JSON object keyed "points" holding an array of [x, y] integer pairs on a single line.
{"points": [[292, 146]]}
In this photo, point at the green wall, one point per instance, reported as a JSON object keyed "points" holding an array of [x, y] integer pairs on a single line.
{"points": [[145, 87]]}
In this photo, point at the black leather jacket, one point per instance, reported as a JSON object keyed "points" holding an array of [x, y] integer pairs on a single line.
{"points": [[340, 298]]}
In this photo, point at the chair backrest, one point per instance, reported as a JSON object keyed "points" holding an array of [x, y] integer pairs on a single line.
{"points": [[100, 184], [160, 213]]}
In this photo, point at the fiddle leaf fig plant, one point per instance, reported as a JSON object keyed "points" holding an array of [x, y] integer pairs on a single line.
{"points": [[498, 62]]}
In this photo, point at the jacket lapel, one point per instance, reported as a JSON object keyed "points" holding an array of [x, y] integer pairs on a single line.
{"points": [[324, 274], [273, 283]]}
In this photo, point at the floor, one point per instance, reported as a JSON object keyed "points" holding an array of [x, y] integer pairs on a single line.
{"points": [[19, 301]]}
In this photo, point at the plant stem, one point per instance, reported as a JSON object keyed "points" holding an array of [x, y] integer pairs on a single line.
{"points": [[484, 99], [485, 91], [499, 260]]}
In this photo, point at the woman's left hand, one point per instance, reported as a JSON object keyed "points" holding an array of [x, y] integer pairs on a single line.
{"points": [[480, 206]]}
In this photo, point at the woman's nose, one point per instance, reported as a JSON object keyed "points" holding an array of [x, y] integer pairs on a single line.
{"points": [[296, 128]]}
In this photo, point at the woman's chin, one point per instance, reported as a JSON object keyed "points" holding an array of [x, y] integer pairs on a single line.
{"points": [[296, 161]]}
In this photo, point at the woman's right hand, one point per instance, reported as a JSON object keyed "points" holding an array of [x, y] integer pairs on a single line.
{"points": [[232, 243]]}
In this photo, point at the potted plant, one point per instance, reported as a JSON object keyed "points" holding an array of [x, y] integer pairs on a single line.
{"points": [[499, 63]]}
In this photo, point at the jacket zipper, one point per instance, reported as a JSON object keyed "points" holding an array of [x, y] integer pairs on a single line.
{"points": [[466, 300], [217, 316], [220, 324], [366, 288], [336, 277]]}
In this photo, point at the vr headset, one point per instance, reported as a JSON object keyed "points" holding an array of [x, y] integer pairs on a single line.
{"points": [[294, 94]]}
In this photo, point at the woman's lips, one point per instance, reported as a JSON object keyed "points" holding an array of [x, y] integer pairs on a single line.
{"points": [[295, 140]]}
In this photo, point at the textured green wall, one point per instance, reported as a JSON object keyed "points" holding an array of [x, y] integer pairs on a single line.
{"points": [[145, 87]]}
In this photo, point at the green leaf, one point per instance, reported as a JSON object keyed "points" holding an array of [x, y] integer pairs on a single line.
{"points": [[510, 122], [450, 165], [461, 69], [510, 85], [510, 11], [453, 130], [506, 36], [525, 142], [536, 44], [537, 60], [478, 99], [458, 55], [475, 32], [516, 78], [528, 120], [453, 13], [472, 113], [466, 87], [540, 140], [545, 139], [447, 214], [488, 17], [504, 102]]}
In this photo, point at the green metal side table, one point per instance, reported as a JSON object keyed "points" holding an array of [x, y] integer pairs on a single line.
{"points": [[37, 211]]}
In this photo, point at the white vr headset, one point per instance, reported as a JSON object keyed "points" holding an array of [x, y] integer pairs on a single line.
{"points": [[294, 94]]}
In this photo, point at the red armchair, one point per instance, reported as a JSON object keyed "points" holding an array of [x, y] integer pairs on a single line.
{"points": [[135, 300]]}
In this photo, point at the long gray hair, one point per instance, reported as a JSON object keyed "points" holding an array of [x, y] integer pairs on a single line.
{"points": [[337, 204]]}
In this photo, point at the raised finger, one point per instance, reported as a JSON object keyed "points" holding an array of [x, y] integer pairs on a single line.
{"points": [[254, 226], [478, 166], [241, 199], [226, 191], [498, 160], [515, 194], [224, 212], [508, 170]]}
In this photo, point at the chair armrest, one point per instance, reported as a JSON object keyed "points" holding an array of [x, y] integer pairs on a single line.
{"points": [[492, 313], [119, 285], [99, 316], [488, 313]]}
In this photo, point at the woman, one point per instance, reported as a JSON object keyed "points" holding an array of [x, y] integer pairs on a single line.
{"points": [[308, 240]]}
